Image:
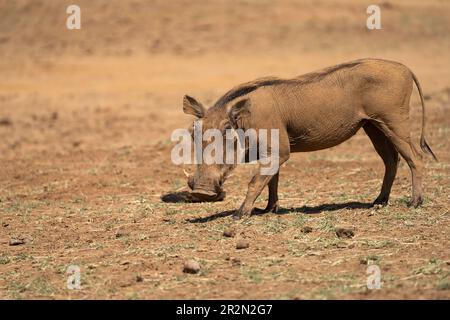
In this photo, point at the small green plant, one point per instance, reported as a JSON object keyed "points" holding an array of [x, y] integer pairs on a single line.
{"points": [[443, 285], [276, 225], [433, 266], [253, 275], [328, 223], [4, 260]]}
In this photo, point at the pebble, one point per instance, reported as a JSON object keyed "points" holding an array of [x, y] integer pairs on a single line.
{"points": [[191, 266], [242, 244], [344, 233], [16, 242], [229, 233], [307, 229]]}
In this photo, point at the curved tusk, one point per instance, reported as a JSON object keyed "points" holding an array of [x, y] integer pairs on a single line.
{"points": [[186, 173]]}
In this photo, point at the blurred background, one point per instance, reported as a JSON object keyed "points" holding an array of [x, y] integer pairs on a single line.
{"points": [[121, 78]]}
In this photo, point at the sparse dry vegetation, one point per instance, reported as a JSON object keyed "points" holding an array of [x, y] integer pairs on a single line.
{"points": [[85, 123]]}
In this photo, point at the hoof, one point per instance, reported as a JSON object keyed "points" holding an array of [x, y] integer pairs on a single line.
{"points": [[383, 202], [259, 211], [241, 213], [273, 209], [416, 203], [236, 217]]}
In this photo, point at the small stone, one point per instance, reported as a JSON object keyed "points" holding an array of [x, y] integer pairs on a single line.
{"points": [[341, 245], [5, 122], [120, 234], [191, 266], [139, 278], [306, 229], [16, 242], [124, 283], [387, 5], [344, 233], [236, 262], [242, 244], [229, 233]]}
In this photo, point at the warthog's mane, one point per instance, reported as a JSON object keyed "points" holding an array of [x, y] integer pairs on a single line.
{"points": [[249, 87]]}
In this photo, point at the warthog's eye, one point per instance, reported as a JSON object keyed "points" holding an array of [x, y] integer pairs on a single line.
{"points": [[226, 126], [191, 131]]}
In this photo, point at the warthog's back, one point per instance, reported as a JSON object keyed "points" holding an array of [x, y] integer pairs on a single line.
{"points": [[322, 109]]}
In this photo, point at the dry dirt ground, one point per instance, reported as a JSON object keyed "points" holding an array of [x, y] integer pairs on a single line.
{"points": [[85, 123]]}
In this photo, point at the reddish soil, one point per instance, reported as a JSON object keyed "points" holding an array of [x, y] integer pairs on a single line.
{"points": [[86, 117]]}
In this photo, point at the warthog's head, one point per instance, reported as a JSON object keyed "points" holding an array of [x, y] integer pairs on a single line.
{"points": [[206, 184]]}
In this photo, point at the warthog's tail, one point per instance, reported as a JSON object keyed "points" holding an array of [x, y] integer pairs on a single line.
{"points": [[423, 143]]}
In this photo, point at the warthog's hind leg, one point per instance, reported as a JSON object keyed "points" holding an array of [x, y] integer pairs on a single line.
{"points": [[390, 157], [398, 133]]}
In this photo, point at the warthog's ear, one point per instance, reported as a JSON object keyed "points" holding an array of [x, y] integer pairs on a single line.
{"points": [[239, 113], [193, 107]]}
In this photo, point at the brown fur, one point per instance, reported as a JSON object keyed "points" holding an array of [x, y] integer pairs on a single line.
{"points": [[320, 110]]}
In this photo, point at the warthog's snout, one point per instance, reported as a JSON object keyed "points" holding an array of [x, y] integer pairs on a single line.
{"points": [[199, 195], [201, 191], [204, 195]]}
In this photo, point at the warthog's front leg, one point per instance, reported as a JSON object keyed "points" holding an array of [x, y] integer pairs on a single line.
{"points": [[255, 187], [272, 205], [260, 181]]}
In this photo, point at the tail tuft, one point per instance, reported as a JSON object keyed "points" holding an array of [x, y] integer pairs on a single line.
{"points": [[423, 143], [426, 148]]}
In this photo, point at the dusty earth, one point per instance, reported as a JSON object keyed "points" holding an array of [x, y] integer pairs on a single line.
{"points": [[85, 123]]}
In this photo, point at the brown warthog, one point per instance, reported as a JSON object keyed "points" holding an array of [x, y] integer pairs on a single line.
{"points": [[315, 111]]}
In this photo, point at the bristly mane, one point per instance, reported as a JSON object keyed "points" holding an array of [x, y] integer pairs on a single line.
{"points": [[251, 86], [246, 88]]}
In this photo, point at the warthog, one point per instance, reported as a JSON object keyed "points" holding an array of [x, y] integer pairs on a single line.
{"points": [[316, 111]]}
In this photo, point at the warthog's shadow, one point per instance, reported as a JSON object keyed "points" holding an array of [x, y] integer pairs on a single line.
{"points": [[303, 209], [212, 217], [177, 197], [326, 207], [186, 197]]}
